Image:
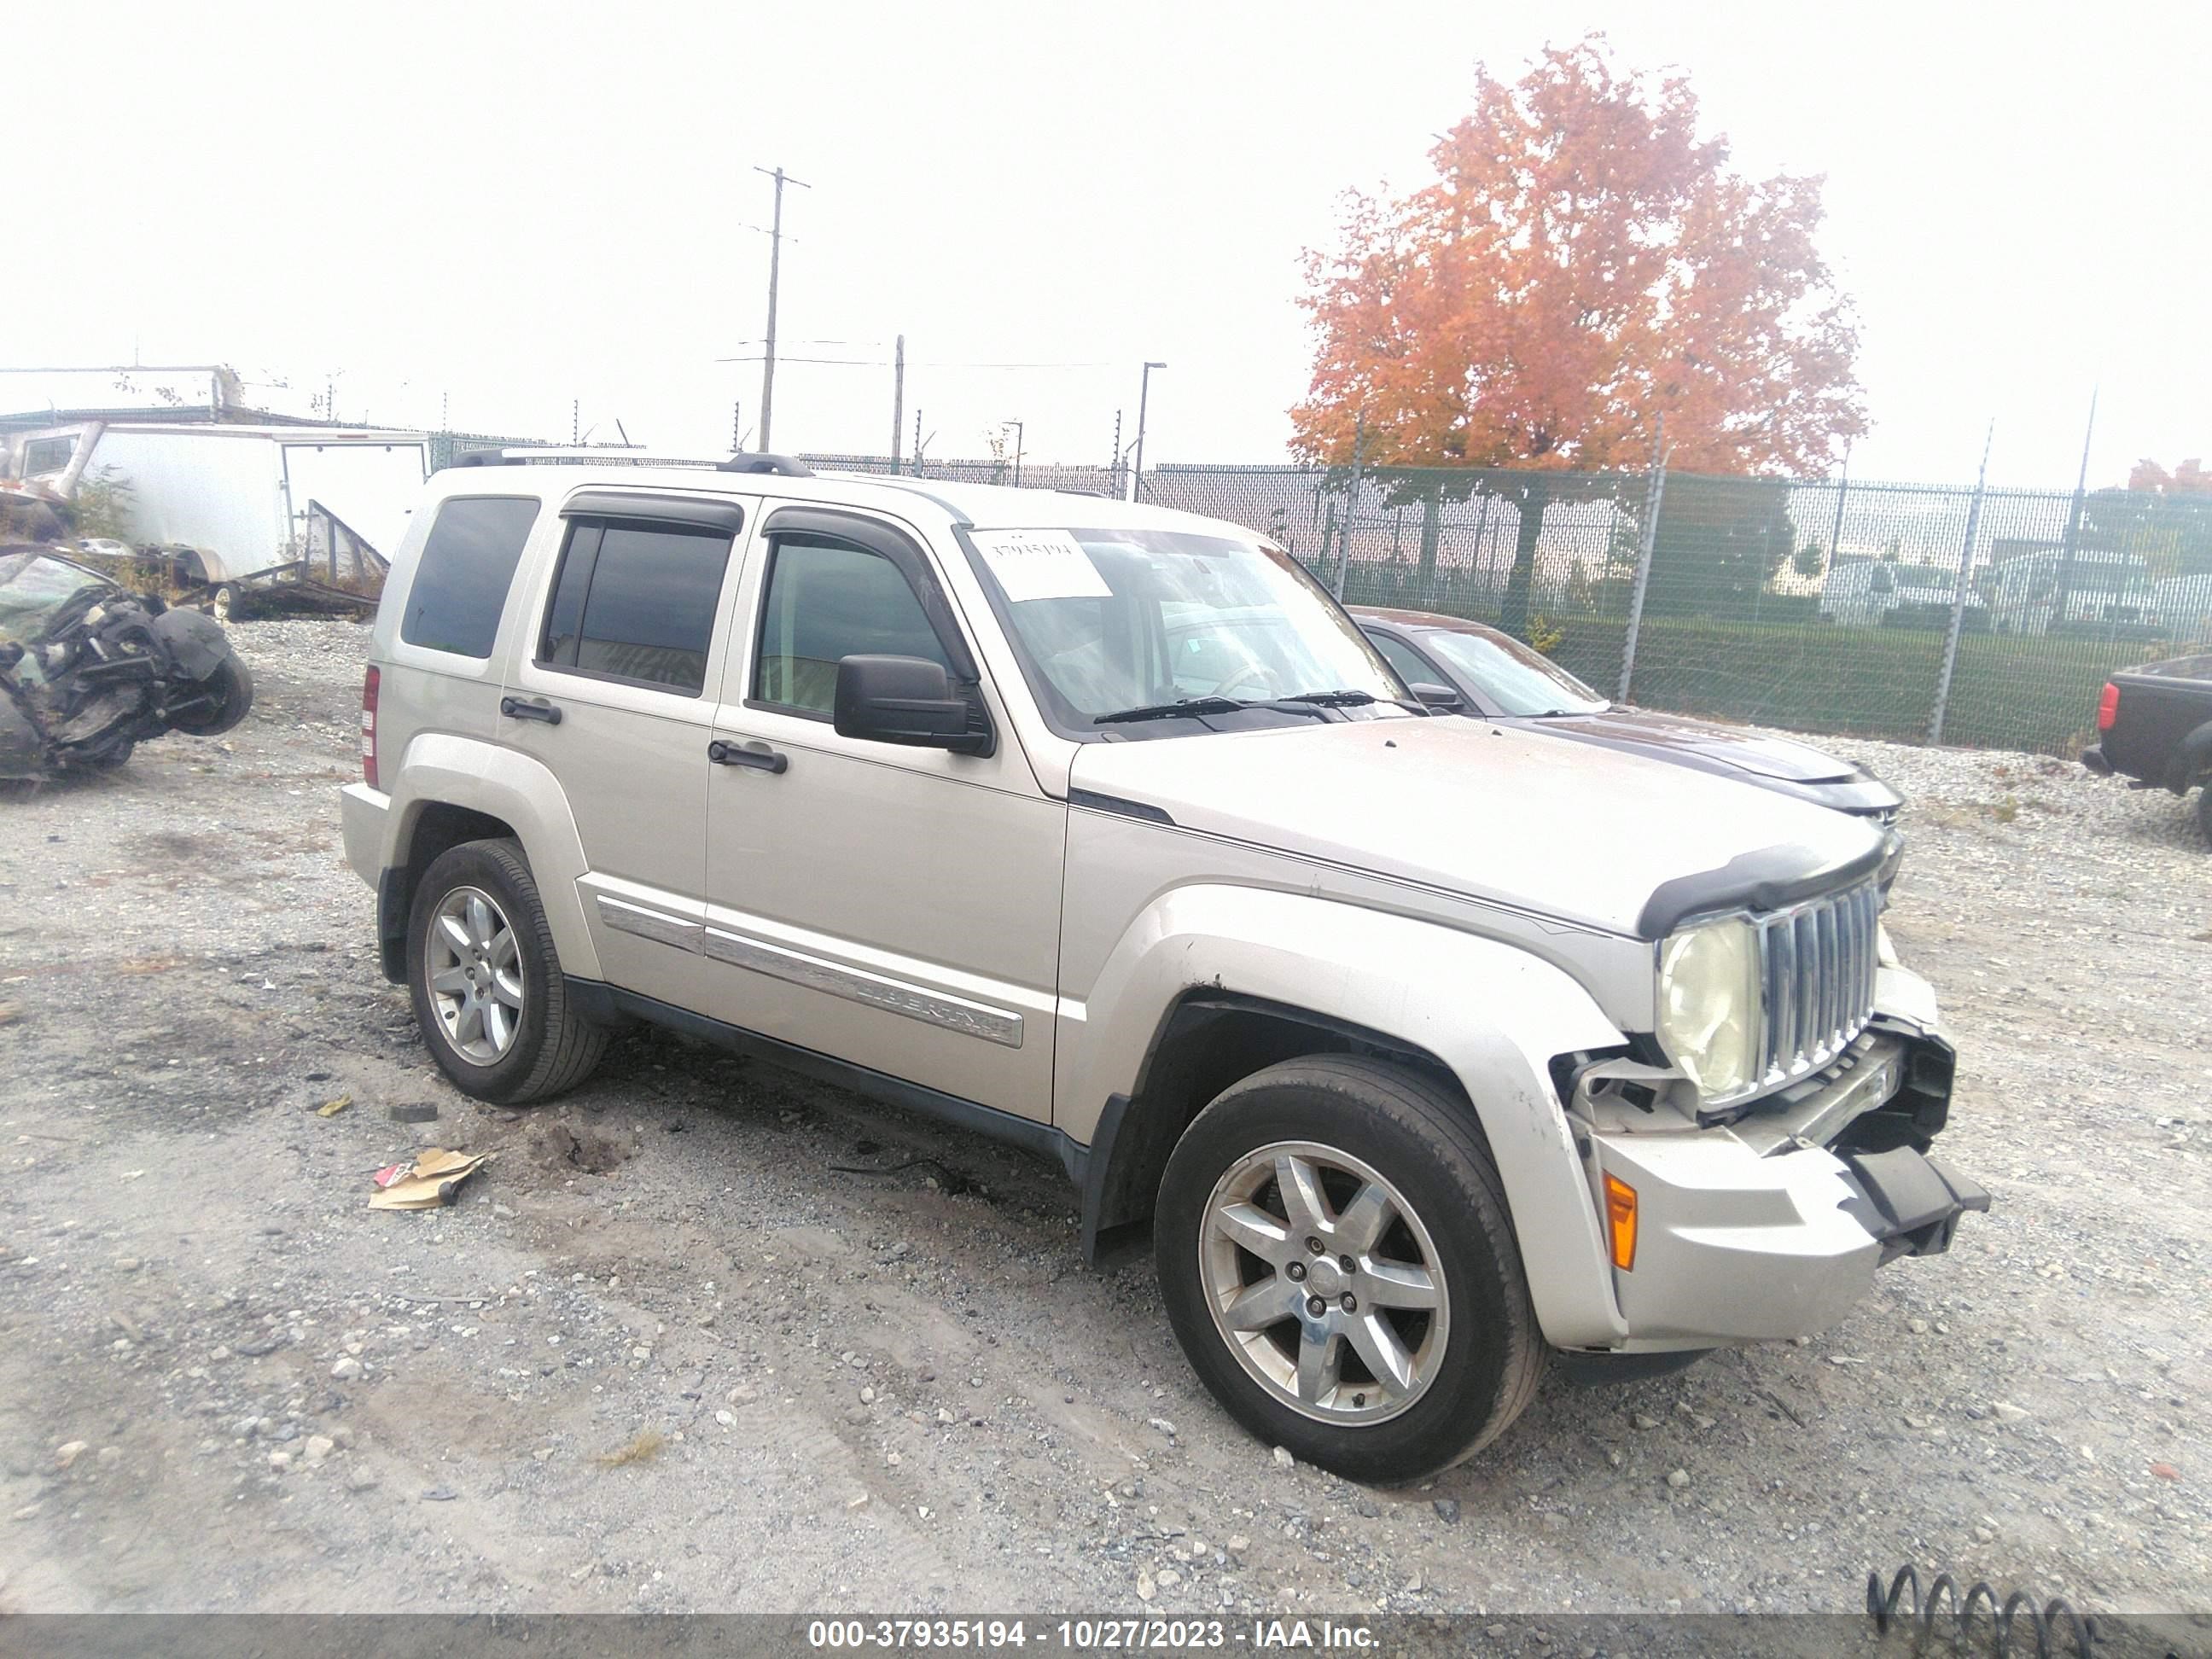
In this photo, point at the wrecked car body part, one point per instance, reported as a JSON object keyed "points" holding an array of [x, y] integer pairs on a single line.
{"points": [[89, 669]]}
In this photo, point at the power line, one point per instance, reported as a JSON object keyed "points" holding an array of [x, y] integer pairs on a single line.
{"points": [[882, 363]]}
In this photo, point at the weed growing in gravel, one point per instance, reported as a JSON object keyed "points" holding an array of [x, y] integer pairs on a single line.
{"points": [[643, 1450]]}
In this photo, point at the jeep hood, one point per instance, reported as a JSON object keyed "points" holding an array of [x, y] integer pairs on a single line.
{"points": [[1569, 829]]}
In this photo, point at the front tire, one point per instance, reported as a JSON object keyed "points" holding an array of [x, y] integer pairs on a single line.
{"points": [[221, 701], [1338, 1263], [486, 979]]}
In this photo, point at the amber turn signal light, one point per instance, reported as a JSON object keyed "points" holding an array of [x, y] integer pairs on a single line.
{"points": [[1620, 1221]]}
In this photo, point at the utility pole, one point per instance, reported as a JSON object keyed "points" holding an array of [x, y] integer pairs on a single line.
{"points": [[1116, 470], [1144, 395], [917, 443], [1018, 429], [575, 421], [898, 396], [2062, 590], [774, 268], [737, 426]]}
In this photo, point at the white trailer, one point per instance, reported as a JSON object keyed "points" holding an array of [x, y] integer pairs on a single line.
{"points": [[243, 499]]}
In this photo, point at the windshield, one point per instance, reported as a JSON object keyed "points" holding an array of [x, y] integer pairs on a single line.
{"points": [[33, 586], [1112, 621], [1518, 680]]}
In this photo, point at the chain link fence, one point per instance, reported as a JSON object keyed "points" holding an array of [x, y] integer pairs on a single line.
{"points": [[1987, 617]]}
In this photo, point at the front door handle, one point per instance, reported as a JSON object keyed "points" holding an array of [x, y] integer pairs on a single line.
{"points": [[516, 709], [759, 755]]}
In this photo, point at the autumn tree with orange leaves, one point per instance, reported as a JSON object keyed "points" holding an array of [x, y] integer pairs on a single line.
{"points": [[1583, 264], [2190, 478]]}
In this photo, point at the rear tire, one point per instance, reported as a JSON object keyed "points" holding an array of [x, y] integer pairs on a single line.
{"points": [[1417, 1354], [2204, 813], [486, 982]]}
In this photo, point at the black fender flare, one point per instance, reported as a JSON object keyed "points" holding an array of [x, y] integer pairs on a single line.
{"points": [[1119, 1171]]}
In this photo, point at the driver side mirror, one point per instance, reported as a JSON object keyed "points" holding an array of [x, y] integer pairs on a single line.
{"points": [[907, 700], [1442, 699]]}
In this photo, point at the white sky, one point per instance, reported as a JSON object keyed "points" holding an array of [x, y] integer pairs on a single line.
{"points": [[515, 208]]}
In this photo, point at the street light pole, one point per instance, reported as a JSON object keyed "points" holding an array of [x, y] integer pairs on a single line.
{"points": [[1018, 428], [774, 269], [1144, 393]]}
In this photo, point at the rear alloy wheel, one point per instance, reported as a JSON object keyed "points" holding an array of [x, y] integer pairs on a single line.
{"points": [[1337, 1260], [473, 965], [486, 979]]}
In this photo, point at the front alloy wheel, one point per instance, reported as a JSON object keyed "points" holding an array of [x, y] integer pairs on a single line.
{"points": [[1324, 1282], [1340, 1265]]}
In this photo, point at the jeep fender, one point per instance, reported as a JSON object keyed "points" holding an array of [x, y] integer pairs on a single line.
{"points": [[1494, 1014], [445, 768]]}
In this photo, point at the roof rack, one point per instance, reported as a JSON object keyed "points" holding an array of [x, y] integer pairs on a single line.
{"points": [[784, 467]]}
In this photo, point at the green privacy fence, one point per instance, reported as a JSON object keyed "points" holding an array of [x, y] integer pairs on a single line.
{"points": [[1907, 612]]}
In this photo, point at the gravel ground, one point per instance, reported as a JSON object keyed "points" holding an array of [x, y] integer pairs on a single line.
{"points": [[663, 1356]]}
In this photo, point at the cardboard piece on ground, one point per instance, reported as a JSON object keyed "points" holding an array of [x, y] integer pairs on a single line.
{"points": [[426, 1183]]}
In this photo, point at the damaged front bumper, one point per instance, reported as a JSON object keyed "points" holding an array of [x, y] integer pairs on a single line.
{"points": [[1772, 1225]]}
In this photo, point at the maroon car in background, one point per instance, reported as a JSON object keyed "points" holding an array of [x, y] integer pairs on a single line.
{"points": [[1494, 677]]}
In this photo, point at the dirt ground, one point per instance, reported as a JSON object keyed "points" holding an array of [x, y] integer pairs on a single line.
{"points": [[705, 1336]]}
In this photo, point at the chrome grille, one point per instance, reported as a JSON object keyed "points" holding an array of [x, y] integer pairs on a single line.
{"points": [[1816, 967]]}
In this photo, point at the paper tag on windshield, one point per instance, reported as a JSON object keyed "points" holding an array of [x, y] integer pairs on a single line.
{"points": [[1040, 564]]}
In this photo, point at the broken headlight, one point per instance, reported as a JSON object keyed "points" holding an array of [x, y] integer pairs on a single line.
{"points": [[1709, 1005]]}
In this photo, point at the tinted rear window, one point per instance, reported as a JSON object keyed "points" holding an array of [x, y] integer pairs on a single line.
{"points": [[637, 603], [461, 580]]}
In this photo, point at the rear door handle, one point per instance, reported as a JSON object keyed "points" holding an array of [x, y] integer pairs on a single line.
{"points": [[759, 755], [516, 709]]}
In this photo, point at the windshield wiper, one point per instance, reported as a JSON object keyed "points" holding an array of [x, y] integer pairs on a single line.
{"points": [[1188, 706], [1357, 700]]}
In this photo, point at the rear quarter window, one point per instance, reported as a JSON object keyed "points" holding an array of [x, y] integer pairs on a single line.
{"points": [[461, 579]]}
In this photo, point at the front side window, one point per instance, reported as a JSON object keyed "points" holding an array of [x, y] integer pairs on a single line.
{"points": [[1513, 677], [1411, 669], [461, 579], [826, 601], [636, 602], [1112, 622]]}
